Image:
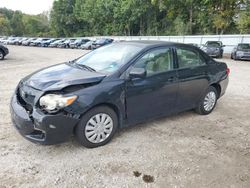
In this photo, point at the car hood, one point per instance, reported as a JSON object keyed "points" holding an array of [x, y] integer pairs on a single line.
{"points": [[60, 76]]}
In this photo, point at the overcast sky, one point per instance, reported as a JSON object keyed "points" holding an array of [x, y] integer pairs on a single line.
{"points": [[27, 6]]}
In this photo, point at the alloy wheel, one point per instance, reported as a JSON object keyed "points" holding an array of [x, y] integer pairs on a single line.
{"points": [[209, 101]]}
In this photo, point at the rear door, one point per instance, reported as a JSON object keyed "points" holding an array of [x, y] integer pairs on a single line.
{"points": [[193, 77]]}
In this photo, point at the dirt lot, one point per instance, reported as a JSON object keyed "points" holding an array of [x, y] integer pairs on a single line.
{"points": [[186, 150]]}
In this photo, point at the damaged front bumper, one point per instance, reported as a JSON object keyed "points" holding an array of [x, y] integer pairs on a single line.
{"points": [[39, 127]]}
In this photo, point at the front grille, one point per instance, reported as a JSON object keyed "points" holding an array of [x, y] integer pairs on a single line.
{"points": [[28, 107], [26, 96]]}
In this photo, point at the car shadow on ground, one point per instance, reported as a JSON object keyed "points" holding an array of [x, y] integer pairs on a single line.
{"points": [[72, 145]]}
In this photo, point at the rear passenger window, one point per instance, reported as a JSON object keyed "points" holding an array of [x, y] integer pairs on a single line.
{"points": [[188, 58]]}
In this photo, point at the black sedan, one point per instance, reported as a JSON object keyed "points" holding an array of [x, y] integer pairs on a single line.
{"points": [[241, 52], [116, 86]]}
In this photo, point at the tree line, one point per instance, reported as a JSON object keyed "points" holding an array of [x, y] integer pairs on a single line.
{"points": [[69, 18]]}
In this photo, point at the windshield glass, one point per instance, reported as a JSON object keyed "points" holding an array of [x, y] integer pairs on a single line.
{"points": [[109, 58], [213, 44], [244, 46]]}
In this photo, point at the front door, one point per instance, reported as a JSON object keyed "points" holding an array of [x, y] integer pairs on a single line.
{"points": [[154, 95]]}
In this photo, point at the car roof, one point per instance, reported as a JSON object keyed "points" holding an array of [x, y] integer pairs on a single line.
{"points": [[153, 43]]}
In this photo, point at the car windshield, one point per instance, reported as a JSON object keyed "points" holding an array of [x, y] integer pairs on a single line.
{"points": [[110, 58], [213, 44], [244, 46]]}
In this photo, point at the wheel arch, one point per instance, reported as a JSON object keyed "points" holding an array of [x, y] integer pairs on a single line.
{"points": [[111, 106], [218, 88], [2, 51]]}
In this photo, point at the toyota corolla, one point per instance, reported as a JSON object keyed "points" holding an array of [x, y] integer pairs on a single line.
{"points": [[115, 86]]}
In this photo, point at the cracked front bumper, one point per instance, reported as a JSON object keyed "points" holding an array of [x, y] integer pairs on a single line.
{"points": [[39, 127]]}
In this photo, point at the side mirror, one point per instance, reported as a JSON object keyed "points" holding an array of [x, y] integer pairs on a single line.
{"points": [[137, 73]]}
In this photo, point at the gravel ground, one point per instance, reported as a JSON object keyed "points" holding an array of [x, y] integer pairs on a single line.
{"points": [[186, 150]]}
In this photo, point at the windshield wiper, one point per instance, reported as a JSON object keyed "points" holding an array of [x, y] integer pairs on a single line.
{"points": [[86, 67]]}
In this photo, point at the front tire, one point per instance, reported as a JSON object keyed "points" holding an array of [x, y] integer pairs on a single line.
{"points": [[1, 55], [97, 127], [207, 102]]}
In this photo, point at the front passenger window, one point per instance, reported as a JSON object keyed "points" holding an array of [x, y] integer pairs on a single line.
{"points": [[156, 61]]}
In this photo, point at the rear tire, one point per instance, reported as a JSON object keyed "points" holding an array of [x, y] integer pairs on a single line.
{"points": [[97, 127], [208, 101]]}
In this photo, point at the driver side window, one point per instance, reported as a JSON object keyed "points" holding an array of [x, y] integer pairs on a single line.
{"points": [[156, 61]]}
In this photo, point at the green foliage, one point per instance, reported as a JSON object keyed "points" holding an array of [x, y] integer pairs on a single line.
{"points": [[18, 24], [5, 25], [70, 18], [243, 23]]}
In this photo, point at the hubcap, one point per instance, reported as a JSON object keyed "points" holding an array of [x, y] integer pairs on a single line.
{"points": [[209, 101], [99, 128], [1, 55]]}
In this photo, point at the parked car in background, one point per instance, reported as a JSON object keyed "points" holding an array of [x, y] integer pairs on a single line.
{"points": [[15, 41], [101, 42], [66, 43], [241, 52], [55, 43], [34, 42], [3, 51], [22, 40], [10, 40], [4, 40], [115, 86], [46, 43], [39, 42], [87, 45], [78, 42], [27, 42], [213, 48]]}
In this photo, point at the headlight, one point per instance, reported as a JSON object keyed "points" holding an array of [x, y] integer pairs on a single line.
{"points": [[54, 102]]}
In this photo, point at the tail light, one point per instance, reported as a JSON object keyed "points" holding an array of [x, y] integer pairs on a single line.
{"points": [[228, 71]]}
